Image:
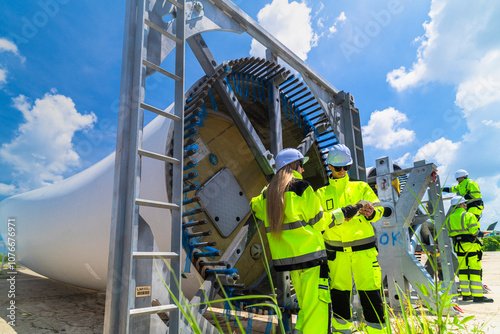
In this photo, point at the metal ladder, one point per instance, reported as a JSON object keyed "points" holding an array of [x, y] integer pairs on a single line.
{"points": [[122, 266]]}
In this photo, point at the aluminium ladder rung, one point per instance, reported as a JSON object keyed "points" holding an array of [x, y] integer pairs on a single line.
{"points": [[163, 31], [158, 156], [176, 4], [160, 112], [150, 255], [153, 309], [156, 204], [161, 70]]}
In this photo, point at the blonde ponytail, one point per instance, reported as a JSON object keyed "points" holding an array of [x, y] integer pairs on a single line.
{"points": [[275, 199]]}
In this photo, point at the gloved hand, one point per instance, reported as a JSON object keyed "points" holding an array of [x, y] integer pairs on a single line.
{"points": [[446, 189], [351, 210]]}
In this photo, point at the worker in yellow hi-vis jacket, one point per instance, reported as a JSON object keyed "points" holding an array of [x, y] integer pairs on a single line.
{"points": [[294, 224], [463, 228], [469, 190], [351, 247]]}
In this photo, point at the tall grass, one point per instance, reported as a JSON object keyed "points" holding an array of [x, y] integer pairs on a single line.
{"points": [[422, 317], [265, 301], [412, 317]]}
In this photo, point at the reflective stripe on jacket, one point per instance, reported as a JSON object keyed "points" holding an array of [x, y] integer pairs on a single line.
{"points": [[300, 244], [469, 190], [462, 222], [358, 231]]}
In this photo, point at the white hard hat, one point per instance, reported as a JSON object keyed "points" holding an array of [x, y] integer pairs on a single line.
{"points": [[287, 156], [457, 200], [339, 155], [461, 173]]}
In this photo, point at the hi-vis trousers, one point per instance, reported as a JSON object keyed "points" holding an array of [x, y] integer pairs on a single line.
{"points": [[363, 265], [469, 256], [311, 287]]}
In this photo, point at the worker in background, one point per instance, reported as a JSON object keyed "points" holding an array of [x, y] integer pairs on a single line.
{"points": [[351, 246], [469, 190], [463, 228], [294, 224]]}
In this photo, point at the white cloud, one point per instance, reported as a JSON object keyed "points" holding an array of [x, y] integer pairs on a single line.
{"points": [[443, 152], [451, 51], [491, 123], [320, 22], [8, 46], [384, 131], [490, 193], [3, 77], [321, 7], [403, 161], [42, 150], [340, 19], [467, 57], [8, 189], [290, 23], [482, 86]]}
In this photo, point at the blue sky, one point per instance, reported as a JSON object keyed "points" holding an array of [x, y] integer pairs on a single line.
{"points": [[425, 76]]}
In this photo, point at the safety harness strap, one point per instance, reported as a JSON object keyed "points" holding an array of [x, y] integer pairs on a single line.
{"points": [[330, 248], [464, 238], [470, 272]]}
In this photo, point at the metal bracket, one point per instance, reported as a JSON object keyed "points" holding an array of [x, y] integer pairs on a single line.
{"points": [[400, 267]]}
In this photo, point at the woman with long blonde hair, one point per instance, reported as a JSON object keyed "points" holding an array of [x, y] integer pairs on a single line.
{"points": [[294, 222]]}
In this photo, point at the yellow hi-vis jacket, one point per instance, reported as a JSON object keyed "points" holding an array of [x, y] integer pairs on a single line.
{"points": [[469, 190], [357, 233], [462, 223], [300, 244]]}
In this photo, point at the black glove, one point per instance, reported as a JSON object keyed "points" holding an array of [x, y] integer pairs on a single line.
{"points": [[446, 189], [480, 234], [351, 210]]}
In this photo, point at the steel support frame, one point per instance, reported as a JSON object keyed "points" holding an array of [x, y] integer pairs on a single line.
{"points": [[126, 236], [446, 252], [208, 63], [307, 142], [399, 267], [275, 127], [224, 15], [275, 131], [177, 169], [124, 217], [348, 116]]}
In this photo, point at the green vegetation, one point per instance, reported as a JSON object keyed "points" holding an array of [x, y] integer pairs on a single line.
{"points": [[491, 243]]}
